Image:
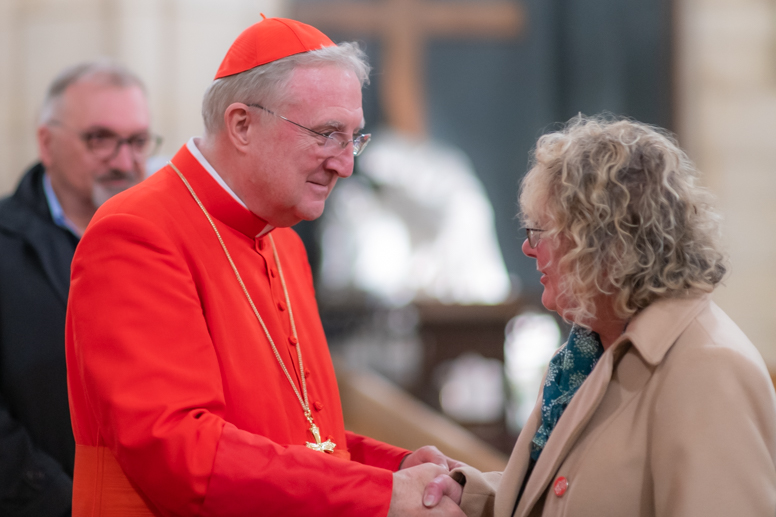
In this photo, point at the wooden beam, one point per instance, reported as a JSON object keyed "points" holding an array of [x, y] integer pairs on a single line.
{"points": [[404, 26], [487, 19]]}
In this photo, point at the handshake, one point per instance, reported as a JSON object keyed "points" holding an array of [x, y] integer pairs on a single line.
{"points": [[423, 486]]}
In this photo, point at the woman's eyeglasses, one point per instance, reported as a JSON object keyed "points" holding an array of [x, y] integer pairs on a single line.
{"points": [[534, 236]]}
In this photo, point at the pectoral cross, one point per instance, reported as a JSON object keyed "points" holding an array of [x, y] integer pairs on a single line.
{"points": [[327, 446]]}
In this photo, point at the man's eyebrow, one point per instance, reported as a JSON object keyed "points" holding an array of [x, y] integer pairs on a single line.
{"points": [[94, 129], [331, 124], [339, 126], [103, 129]]}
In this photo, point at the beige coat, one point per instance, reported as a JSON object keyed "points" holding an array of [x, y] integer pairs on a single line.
{"points": [[677, 419]]}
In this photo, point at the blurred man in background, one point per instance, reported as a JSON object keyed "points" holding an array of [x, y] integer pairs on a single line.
{"points": [[93, 140]]}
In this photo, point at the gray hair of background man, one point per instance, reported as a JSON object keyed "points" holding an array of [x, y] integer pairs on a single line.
{"points": [[266, 84], [103, 71]]}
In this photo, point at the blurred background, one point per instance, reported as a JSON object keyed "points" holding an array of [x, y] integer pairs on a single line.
{"points": [[423, 290]]}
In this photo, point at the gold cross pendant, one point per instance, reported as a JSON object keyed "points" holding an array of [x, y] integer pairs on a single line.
{"points": [[327, 446]]}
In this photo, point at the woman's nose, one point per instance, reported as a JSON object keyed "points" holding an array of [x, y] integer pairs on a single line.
{"points": [[528, 250]]}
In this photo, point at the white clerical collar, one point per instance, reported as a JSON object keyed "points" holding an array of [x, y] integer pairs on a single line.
{"points": [[191, 145]]}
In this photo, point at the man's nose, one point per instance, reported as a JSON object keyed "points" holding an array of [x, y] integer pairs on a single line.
{"points": [[341, 163], [124, 158]]}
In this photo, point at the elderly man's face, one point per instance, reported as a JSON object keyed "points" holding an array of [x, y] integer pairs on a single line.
{"points": [[90, 107], [294, 172]]}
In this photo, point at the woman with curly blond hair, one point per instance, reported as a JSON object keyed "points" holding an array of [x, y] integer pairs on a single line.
{"points": [[658, 404]]}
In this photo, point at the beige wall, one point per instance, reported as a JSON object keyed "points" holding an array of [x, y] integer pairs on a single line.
{"points": [[174, 45], [726, 118]]}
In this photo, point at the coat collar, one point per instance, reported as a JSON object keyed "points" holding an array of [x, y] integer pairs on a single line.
{"points": [[652, 333], [656, 328], [514, 474], [218, 202], [569, 427], [26, 214]]}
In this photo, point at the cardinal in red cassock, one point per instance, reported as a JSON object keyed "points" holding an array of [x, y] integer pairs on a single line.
{"points": [[199, 377]]}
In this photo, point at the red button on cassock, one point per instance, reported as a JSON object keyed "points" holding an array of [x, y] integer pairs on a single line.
{"points": [[560, 487], [282, 306], [272, 272], [260, 244], [318, 405], [306, 372], [293, 340]]}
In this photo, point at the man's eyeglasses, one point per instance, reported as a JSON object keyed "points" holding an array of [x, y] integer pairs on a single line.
{"points": [[338, 139], [534, 236], [105, 144]]}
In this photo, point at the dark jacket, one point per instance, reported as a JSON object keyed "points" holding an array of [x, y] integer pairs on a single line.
{"points": [[37, 449]]}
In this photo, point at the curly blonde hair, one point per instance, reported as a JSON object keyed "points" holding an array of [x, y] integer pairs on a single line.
{"points": [[623, 201]]}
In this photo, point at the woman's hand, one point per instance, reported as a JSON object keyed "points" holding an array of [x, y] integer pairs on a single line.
{"points": [[440, 486], [429, 454]]}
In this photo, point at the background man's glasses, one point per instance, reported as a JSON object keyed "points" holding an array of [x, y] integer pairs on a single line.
{"points": [[334, 139], [534, 236], [105, 144]]}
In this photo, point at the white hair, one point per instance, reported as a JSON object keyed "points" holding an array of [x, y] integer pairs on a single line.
{"points": [[267, 84]]}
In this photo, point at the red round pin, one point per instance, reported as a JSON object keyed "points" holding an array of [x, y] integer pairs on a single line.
{"points": [[560, 487]]}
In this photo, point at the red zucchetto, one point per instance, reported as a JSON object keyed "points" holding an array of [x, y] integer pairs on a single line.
{"points": [[269, 40]]}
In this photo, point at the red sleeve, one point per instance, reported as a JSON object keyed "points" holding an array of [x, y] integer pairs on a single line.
{"points": [[145, 382], [253, 476], [372, 452]]}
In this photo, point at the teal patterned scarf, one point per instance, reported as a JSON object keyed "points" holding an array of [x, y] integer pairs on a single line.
{"points": [[567, 371]]}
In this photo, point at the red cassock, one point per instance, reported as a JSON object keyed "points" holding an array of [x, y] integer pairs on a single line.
{"points": [[179, 406]]}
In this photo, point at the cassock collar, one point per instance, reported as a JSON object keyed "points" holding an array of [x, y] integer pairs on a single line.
{"points": [[218, 198], [191, 145]]}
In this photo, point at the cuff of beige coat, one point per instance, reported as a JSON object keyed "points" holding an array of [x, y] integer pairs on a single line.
{"points": [[479, 490]]}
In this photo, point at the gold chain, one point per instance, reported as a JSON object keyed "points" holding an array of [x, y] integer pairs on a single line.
{"points": [[304, 402]]}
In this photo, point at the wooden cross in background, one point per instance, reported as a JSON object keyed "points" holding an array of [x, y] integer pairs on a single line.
{"points": [[404, 26]]}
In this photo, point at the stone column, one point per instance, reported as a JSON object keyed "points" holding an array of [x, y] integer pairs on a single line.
{"points": [[726, 119]]}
